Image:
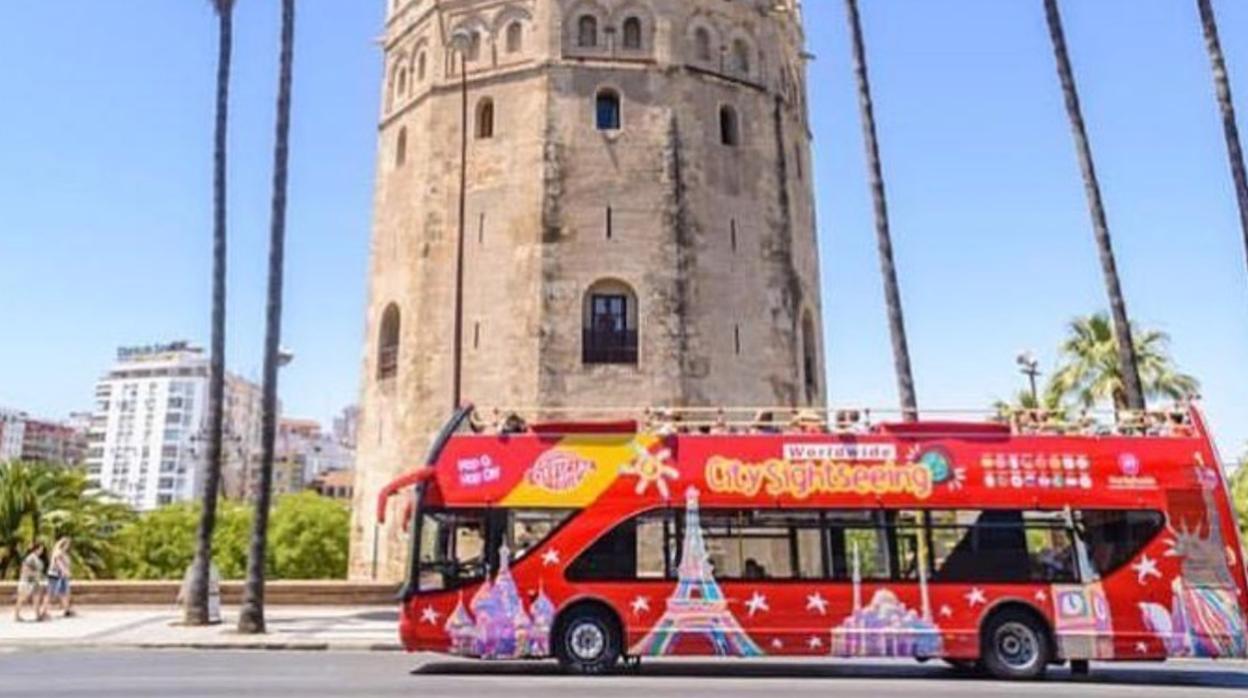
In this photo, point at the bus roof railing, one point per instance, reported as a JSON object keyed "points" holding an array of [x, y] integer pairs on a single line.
{"points": [[1178, 420]]}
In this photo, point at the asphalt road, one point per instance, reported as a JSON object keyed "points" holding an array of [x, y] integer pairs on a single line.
{"points": [[49, 674]]}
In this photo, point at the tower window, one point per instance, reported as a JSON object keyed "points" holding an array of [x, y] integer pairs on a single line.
{"points": [[515, 37], [702, 44], [632, 34], [400, 148], [474, 46], [587, 31], [402, 88], [610, 332], [729, 126], [388, 344], [485, 119], [421, 64], [741, 57], [608, 110]]}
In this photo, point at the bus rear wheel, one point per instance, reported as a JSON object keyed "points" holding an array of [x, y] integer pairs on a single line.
{"points": [[587, 642], [1015, 646]]}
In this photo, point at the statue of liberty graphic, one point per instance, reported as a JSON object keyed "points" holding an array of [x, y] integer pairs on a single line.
{"points": [[1204, 618], [697, 609]]}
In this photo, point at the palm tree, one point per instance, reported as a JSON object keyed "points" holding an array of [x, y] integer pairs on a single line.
{"points": [[1090, 373], [1222, 85], [1130, 371], [43, 502], [197, 598], [888, 268], [251, 618]]}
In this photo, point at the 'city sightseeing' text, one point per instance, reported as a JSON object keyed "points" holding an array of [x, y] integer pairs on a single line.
{"points": [[802, 479]]}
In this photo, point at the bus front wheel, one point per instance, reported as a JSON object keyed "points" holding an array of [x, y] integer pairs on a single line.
{"points": [[1015, 645], [588, 642]]}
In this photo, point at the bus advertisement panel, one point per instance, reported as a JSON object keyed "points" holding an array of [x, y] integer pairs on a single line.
{"points": [[954, 541]]}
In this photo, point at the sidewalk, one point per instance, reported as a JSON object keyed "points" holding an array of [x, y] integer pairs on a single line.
{"points": [[289, 627]]}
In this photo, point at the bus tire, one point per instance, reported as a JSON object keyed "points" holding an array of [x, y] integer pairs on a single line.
{"points": [[1015, 645], [587, 641]]}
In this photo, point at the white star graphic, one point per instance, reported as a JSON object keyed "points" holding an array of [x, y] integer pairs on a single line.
{"points": [[777, 644], [757, 603], [814, 642], [1145, 568], [816, 602], [550, 558], [1141, 648], [1041, 596], [975, 597], [641, 605], [429, 615], [945, 611]]}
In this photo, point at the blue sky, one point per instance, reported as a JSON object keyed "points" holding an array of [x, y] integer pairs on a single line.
{"points": [[105, 176]]}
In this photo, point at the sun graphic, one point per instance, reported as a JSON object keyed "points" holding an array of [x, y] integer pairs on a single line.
{"points": [[651, 468]]}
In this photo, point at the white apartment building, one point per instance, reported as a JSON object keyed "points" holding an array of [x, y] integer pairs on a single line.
{"points": [[12, 434], [146, 443]]}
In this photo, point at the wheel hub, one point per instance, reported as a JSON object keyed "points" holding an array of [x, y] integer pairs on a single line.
{"points": [[1017, 646], [587, 641]]}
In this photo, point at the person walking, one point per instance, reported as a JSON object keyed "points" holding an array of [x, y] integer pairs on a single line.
{"points": [[30, 585], [59, 573]]}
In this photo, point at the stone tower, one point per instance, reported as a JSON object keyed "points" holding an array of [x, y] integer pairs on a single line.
{"points": [[639, 222]]}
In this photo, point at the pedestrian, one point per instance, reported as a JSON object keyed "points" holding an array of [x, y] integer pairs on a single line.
{"points": [[59, 573], [30, 585]]}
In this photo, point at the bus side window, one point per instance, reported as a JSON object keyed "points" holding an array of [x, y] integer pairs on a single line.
{"points": [[1114, 537], [639, 548], [531, 527]]}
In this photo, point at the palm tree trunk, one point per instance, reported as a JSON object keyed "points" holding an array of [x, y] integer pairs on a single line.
{"points": [[197, 597], [1222, 83], [892, 292], [1100, 225], [251, 618]]}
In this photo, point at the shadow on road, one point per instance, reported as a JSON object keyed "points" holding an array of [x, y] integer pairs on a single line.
{"points": [[1159, 675]]}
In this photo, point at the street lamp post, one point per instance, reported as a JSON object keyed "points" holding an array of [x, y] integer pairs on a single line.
{"points": [[1029, 365], [460, 43]]}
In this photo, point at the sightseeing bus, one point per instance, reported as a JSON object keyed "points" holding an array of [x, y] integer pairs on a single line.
{"points": [[997, 546]]}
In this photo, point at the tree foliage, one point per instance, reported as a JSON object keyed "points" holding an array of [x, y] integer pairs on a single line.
{"points": [[44, 502], [308, 539], [1239, 498], [1090, 372]]}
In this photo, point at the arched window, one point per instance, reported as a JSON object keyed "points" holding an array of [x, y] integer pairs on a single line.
{"points": [[587, 31], [741, 57], [421, 65], [485, 118], [402, 82], [610, 324], [810, 364], [400, 148], [388, 344], [608, 110], [632, 34], [729, 126], [474, 46], [702, 44], [515, 37]]}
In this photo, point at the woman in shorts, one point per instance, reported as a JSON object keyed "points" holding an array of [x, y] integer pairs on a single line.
{"points": [[59, 568], [30, 585]]}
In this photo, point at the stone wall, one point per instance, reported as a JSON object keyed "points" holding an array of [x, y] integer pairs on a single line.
{"points": [[715, 241]]}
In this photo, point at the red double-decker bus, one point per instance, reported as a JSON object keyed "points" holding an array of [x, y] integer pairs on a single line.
{"points": [[1002, 547]]}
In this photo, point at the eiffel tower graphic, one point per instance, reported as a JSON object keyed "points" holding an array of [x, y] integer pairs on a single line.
{"points": [[697, 608]]}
